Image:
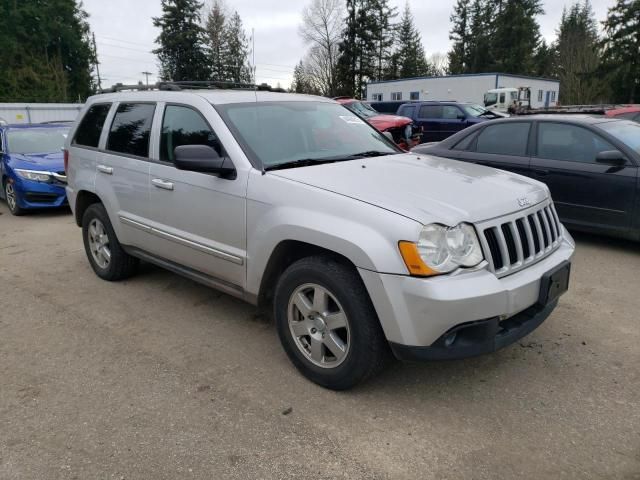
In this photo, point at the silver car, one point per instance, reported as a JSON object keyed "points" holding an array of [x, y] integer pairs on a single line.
{"points": [[292, 201]]}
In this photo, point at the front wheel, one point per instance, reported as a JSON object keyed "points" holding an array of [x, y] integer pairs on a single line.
{"points": [[11, 195], [327, 324]]}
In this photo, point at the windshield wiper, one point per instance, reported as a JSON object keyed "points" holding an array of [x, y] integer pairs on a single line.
{"points": [[369, 154], [303, 162]]}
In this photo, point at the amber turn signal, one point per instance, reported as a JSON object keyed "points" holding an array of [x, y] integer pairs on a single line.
{"points": [[412, 260]]}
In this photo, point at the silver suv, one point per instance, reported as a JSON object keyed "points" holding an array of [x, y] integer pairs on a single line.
{"points": [[291, 201]]}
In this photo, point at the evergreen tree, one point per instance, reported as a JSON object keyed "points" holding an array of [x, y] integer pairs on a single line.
{"points": [[215, 40], [348, 53], [459, 35], [181, 53], [46, 52], [545, 60], [578, 55], [382, 35], [481, 37], [236, 57], [409, 60], [621, 46], [517, 35]]}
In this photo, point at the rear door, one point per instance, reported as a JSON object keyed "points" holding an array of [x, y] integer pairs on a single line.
{"points": [[585, 192], [122, 170], [429, 118], [502, 145]]}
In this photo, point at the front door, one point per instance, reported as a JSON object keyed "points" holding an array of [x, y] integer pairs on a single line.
{"points": [[198, 219], [585, 192]]}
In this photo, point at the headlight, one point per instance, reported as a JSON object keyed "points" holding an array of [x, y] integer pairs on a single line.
{"points": [[33, 175], [442, 249], [408, 131]]}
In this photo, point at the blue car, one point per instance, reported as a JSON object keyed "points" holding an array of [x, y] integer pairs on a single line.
{"points": [[32, 166]]}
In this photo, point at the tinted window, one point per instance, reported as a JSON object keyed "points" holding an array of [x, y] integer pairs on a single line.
{"points": [[431, 111], [450, 112], [131, 129], [625, 131], [568, 142], [184, 126], [90, 128], [465, 143], [504, 139], [414, 96]]}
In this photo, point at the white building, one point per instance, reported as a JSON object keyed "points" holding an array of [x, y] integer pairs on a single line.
{"points": [[463, 88], [38, 112]]}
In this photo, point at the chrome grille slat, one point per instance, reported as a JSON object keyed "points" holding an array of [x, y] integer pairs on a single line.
{"points": [[515, 241]]}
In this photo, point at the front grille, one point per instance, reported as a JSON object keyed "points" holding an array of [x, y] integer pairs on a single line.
{"points": [[33, 197], [522, 240]]}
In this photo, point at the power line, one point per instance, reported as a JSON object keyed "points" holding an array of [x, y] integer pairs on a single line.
{"points": [[124, 48], [124, 41]]}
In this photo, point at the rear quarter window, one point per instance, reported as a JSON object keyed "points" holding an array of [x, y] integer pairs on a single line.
{"points": [[90, 127], [504, 139]]}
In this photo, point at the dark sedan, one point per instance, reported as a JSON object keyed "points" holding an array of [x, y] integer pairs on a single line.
{"points": [[589, 163]]}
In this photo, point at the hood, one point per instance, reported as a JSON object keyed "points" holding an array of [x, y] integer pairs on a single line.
{"points": [[385, 122], [424, 188], [38, 161]]}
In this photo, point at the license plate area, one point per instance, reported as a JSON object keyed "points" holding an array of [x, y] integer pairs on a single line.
{"points": [[554, 283]]}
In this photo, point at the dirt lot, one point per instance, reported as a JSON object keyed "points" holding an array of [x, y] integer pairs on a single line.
{"points": [[159, 377]]}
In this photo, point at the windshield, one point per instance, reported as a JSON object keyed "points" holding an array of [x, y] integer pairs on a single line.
{"points": [[490, 99], [474, 110], [37, 140], [363, 109], [274, 133], [626, 131]]}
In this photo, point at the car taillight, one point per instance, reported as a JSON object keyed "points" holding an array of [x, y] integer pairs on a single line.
{"points": [[66, 161]]}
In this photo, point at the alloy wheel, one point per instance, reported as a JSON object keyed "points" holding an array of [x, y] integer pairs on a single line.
{"points": [[99, 243], [10, 195]]}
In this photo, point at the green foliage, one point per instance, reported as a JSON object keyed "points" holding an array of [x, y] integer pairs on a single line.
{"points": [[409, 59], [46, 52], [621, 58], [181, 53], [459, 56]]}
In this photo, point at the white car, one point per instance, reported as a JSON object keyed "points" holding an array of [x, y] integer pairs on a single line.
{"points": [[292, 201]]}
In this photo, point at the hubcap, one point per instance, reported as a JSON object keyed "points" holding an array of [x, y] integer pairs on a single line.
{"points": [[99, 243], [12, 201], [319, 325]]}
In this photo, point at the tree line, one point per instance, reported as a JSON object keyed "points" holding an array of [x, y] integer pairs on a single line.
{"points": [[47, 53]]}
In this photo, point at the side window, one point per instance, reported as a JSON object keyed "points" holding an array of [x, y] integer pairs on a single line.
{"points": [[540, 95], [502, 98], [465, 143], [451, 112], [184, 126], [558, 141], [414, 96], [431, 111], [396, 96], [131, 129], [90, 128], [504, 139]]}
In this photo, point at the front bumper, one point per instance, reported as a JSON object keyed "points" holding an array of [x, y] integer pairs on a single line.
{"points": [[419, 312], [39, 194]]}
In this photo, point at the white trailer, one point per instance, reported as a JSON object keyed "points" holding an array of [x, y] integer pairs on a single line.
{"points": [[463, 88], [13, 113]]}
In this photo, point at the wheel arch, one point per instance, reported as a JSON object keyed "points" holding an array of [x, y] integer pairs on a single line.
{"points": [[84, 200]]}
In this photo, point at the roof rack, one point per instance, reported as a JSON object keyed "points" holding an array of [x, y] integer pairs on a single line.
{"points": [[192, 85], [571, 109]]}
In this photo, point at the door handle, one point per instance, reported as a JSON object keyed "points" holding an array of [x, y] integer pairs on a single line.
{"points": [[157, 182], [105, 169]]}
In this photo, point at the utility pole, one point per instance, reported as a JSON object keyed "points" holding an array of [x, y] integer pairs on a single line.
{"points": [[147, 75], [95, 53]]}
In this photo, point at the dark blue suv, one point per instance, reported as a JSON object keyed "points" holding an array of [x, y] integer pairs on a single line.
{"points": [[32, 166], [440, 120]]}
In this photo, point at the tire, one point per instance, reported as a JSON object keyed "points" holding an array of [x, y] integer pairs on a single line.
{"points": [[96, 230], [11, 197], [365, 349]]}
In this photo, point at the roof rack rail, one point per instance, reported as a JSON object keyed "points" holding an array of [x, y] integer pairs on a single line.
{"points": [[571, 109], [192, 85]]}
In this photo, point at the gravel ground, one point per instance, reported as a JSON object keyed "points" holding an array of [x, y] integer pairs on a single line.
{"points": [[158, 377]]}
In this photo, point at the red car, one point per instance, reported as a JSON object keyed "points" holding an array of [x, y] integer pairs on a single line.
{"points": [[630, 112], [404, 132]]}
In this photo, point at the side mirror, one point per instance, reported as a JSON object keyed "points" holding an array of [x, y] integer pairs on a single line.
{"points": [[461, 116], [612, 157], [203, 158]]}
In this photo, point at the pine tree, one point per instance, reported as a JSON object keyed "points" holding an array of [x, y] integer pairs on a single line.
{"points": [[621, 46], [409, 57], [459, 35], [215, 39], [481, 45], [181, 53], [578, 55], [236, 56], [348, 53], [46, 52], [517, 35], [382, 35]]}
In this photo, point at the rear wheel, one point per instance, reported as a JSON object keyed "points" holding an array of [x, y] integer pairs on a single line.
{"points": [[11, 195], [327, 324], [106, 256]]}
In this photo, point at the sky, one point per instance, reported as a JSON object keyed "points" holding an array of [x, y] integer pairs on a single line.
{"points": [[125, 34]]}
